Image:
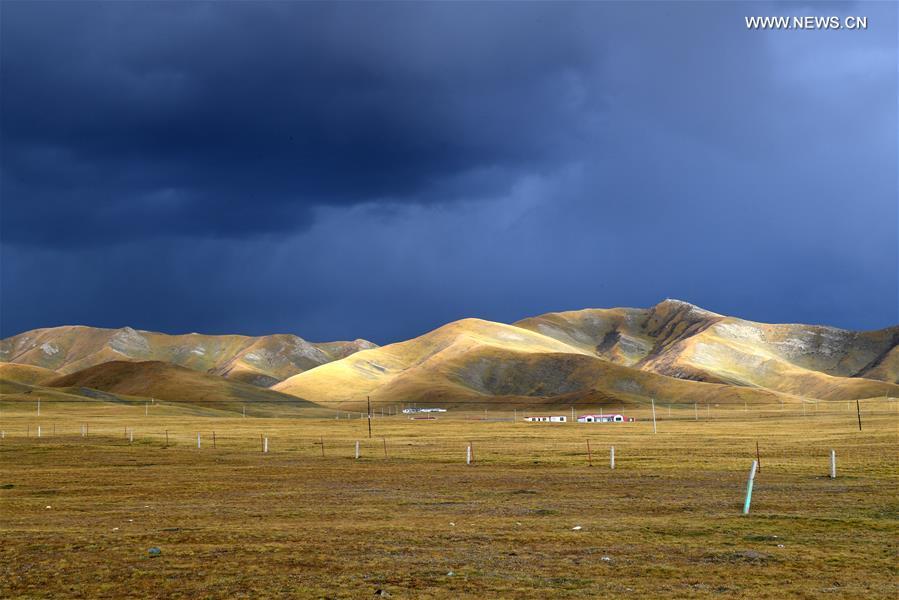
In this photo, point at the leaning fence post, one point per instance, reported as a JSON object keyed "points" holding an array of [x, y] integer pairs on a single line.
{"points": [[752, 471], [833, 464]]}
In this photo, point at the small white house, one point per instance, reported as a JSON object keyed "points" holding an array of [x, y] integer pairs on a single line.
{"points": [[412, 411], [547, 419], [613, 418]]}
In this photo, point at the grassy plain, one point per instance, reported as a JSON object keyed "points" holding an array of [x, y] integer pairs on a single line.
{"points": [[78, 514]]}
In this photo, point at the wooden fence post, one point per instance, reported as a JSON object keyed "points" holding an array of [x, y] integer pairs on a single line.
{"points": [[758, 457]]}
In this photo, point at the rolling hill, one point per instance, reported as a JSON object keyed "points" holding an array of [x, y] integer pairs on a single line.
{"points": [[260, 361], [681, 340], [673, 351], [173, 383], [26, 374]]}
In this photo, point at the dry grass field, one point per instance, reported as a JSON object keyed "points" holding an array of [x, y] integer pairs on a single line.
{"points": [[78, 514]]}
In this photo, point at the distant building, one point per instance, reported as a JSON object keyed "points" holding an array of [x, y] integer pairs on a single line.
{"points": [[412, 411], [547, 419], [613, 418]]}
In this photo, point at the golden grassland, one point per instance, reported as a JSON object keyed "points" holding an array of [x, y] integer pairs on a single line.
{"points": [[78, 514]]}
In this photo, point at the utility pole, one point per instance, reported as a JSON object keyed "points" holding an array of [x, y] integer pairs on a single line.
{"points": [[369, 416]]}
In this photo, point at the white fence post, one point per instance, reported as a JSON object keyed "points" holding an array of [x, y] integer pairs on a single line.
{"points": [[357, 449], [38, 431], [755, 466], [468, 455], [612, 457], [654, 415], [833, 464], [198, 439], [265, 444]]}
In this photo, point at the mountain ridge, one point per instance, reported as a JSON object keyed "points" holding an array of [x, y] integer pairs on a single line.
{"points": [[259, 360], [673, 350], [625, 353]]}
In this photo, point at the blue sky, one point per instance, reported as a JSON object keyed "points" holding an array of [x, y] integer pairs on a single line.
{"points": [[378, 169]]}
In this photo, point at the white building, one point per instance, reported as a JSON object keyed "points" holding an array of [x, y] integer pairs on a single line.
{"points": [[613, 418], [547, 419], [412, 411]]}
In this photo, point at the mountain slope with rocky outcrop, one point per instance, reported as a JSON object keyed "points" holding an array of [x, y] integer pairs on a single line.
{"points": [[673, 351], [261, 361]]}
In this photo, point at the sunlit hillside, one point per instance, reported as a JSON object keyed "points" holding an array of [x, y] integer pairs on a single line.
{"points": [[257, 360], [163, 381], [673, 351], [26, 374]]}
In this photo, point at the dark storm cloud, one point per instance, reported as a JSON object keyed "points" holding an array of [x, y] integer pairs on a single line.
{"points": [[374, 170], [235, 119]]}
